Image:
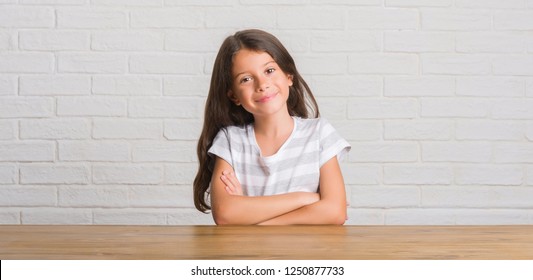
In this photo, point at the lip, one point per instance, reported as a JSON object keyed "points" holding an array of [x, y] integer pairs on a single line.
{"points": [[267, 97]]}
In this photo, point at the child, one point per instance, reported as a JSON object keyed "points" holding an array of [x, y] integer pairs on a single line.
{"points": [[263, 160]]}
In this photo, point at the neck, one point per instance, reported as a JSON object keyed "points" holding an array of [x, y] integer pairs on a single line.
{"points": [[274, 125]]}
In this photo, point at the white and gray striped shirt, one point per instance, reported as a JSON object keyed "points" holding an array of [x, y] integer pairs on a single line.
{"points": [[296, 165]]}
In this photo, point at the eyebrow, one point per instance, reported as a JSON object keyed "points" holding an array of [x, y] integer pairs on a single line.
{"points": [[238, 74]]}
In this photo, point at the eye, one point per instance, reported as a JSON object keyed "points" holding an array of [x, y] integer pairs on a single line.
{"points": [[270, 70], [245, 79]]}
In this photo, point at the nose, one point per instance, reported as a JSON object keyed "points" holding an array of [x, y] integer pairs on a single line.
{"points": [[263, 83]]}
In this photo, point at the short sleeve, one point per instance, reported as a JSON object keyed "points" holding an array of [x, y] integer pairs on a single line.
{"points": [[221, 146], [331, 143]]}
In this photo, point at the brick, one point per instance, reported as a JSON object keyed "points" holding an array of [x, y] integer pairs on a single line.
{"points": [[53, 2], [93, 196], [529, 131], [136, 3], [341, 41], [127, 85], [457, 20], [97, 63], [494, 217], [26, 17], [182, 129], [417, 175], [175, 151], [184, 216], [456, 152], [420, 216], [490, 86], [346, 2], [167, 18], [419, 86], [180, 173], [456, 64], [91, 106], [513, 109], [165, 64], [418, 3], [56, 216], [194, 40], [513, 153], [398, 108], [127, 129], [417, 41], [7, 130], [186, 86], [22, 107], [516, 65], [383, 64], [503, 175], [365, 217], [126, 40], [8, 174], [454, 107], [332, 108], [323, 64], [488, 130], [27, 151], [417, 130], [54, 40], [8, 85], [382, 18], [161, 196], [384, 152], [515, 20], [33, 196], [26, 62], [110, 151], [127, 174], [54, 174], [9, 217], [477, 197], [384, 197], [490, 42], [359, 130], [313, 18], [529, 175], [130, 217], [361, 174], [167, 107], [344, 85], [54, 85], [54, 129], [94, 18], [488, 4]]}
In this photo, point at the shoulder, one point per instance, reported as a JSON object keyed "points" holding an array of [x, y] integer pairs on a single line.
{"points": [[313, 124]]}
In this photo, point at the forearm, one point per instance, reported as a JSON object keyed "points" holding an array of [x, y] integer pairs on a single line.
{"points": [[246, 210], [321, 212]]}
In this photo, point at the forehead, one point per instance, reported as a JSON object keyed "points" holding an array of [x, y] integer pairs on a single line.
{"points": [[245, 60]]}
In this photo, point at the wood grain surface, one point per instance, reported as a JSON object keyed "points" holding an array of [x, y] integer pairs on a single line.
{"points": [[256, 242]]}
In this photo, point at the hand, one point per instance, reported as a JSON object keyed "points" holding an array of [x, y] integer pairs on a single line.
{"points": [[233, 186]]}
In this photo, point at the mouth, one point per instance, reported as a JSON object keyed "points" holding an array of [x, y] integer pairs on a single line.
{"points": [[267, 97]]}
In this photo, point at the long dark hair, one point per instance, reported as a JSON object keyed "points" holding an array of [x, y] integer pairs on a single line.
{"points": [[221, 112]]}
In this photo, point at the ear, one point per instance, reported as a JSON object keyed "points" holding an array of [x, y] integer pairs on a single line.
{"points": [[290, 77], [233, 98]]}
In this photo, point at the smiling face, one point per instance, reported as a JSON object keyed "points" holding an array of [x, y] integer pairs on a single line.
{"points": [[259, 84]]}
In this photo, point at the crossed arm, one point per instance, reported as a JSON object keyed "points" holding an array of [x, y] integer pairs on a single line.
{"points": [[229, 206]]}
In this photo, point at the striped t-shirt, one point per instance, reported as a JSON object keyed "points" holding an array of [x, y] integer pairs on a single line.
{"points": [[296, 165]]}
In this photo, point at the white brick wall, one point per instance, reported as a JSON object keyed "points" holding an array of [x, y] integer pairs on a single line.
{"points": [[101, 104]]}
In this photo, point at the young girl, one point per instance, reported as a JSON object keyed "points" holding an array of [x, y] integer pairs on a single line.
{"points": [[265, 157]]}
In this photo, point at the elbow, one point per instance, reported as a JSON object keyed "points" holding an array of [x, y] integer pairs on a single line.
{"points": [[337, 215]]}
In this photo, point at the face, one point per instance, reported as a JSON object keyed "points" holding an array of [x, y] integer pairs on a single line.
{"points": [[259, 84]]}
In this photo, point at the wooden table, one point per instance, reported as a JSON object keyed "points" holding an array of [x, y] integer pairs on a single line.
{"points": [[255, 242]]}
